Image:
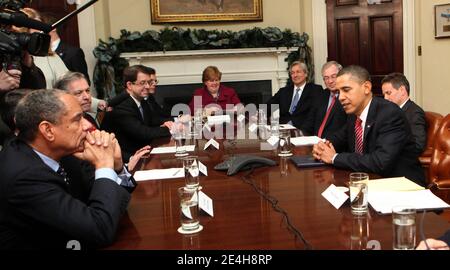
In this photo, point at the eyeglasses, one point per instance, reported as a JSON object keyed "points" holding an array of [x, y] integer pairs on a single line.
{"points": [[143, 83], [332, 77]]}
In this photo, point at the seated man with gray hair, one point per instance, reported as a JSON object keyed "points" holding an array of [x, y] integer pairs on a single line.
{"points": [[76, 84], [60, 182]]}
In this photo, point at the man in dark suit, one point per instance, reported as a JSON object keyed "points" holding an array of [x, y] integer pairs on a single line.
{"points": [[327, 115], [396, 88], [159, 115], [76, 84], [376, 138], [73, 57], [132, 120], [59, 181], [295, 101]]}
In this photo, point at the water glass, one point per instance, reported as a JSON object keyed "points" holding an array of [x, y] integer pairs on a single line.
{"points": [[188, 209], [359, 191], [191, 172], [262, 118], [284, 145], [274, 127], [404, 227], [360, 232]]}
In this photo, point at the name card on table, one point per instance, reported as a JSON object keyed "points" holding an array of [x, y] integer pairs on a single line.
{"points": [[253, 127], [335, 196], [205, 203], [202, 168], [213, 143], [273, 140]]}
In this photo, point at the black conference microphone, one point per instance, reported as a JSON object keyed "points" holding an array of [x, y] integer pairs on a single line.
{"points": [[21, 20]]}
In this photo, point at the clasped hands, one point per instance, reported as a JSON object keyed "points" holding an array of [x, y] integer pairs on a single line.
{"points": [[102, 150], [324, 151]]}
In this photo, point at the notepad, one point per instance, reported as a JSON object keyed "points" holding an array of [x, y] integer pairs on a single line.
{"points": [[159, 174], [393, 184]]}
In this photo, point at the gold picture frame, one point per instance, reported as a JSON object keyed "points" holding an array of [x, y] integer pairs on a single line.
{"points": [[176, 11], [442, 21]]}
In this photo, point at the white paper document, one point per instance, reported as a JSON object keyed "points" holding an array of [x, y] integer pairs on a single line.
{"points": [[286, 127], [218, 119], [306, 140], [159, 174], [335, 196], [170, 149], [383, 202]]}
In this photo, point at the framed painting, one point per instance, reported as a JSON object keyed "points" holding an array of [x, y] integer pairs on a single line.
{"points": [[442, 21], [173, 11]]}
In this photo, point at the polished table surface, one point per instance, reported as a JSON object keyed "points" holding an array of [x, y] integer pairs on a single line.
{"points": [[243, 219]]}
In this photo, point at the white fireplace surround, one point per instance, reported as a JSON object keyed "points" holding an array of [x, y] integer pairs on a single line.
{"points": [[185, 67]]}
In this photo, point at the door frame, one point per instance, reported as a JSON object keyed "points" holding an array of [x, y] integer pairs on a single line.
{"points": [[320, 39]]}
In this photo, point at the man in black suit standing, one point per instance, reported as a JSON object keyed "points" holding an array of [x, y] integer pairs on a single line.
{"points": [[396, 88], [132, 120], [59, 181], [73, 57], [376, 138], [76, 84], [295, 101], [327, 115]]}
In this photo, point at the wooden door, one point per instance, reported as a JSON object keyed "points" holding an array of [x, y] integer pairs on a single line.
{"points": [[60, 8], [370, 35]]}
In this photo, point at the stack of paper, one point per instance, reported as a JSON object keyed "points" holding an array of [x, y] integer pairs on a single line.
{"points": [[159, 174], [383, 202], [304, 141]]}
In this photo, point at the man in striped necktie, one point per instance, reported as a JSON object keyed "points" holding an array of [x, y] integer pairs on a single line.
{"points": [[376, 138]]}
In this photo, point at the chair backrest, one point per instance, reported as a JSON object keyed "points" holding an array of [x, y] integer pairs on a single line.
{"points": [[440, 159], [433, 123]]}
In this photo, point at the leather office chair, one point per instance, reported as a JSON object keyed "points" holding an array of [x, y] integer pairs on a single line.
{"points": [[433, 123], [440, 162]]}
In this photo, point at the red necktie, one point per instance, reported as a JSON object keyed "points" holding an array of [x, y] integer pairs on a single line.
{"points": [[358, 136], [325, 119]]}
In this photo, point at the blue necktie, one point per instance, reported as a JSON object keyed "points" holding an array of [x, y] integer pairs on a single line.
{"points": [[294, 101]]}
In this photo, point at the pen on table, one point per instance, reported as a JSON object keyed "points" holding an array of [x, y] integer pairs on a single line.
{"points": [[176, 172]]}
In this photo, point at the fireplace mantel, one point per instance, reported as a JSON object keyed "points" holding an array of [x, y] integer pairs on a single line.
{"points": [[185, 67]]}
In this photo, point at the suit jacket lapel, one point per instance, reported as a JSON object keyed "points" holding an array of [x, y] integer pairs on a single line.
{"points": [[370, 121], [351, 137]]}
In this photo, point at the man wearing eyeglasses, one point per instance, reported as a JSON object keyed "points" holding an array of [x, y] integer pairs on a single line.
{"points": [[133, 121], [327, 114]]}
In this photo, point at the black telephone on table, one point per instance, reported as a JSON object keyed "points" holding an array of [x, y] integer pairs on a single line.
{"points": [[243, 162]]}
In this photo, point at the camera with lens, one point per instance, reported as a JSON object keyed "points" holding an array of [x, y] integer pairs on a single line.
{"points": [[13, 44]]}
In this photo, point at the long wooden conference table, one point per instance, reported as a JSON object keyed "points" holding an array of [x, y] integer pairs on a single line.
{"points": [[243, 219]]}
